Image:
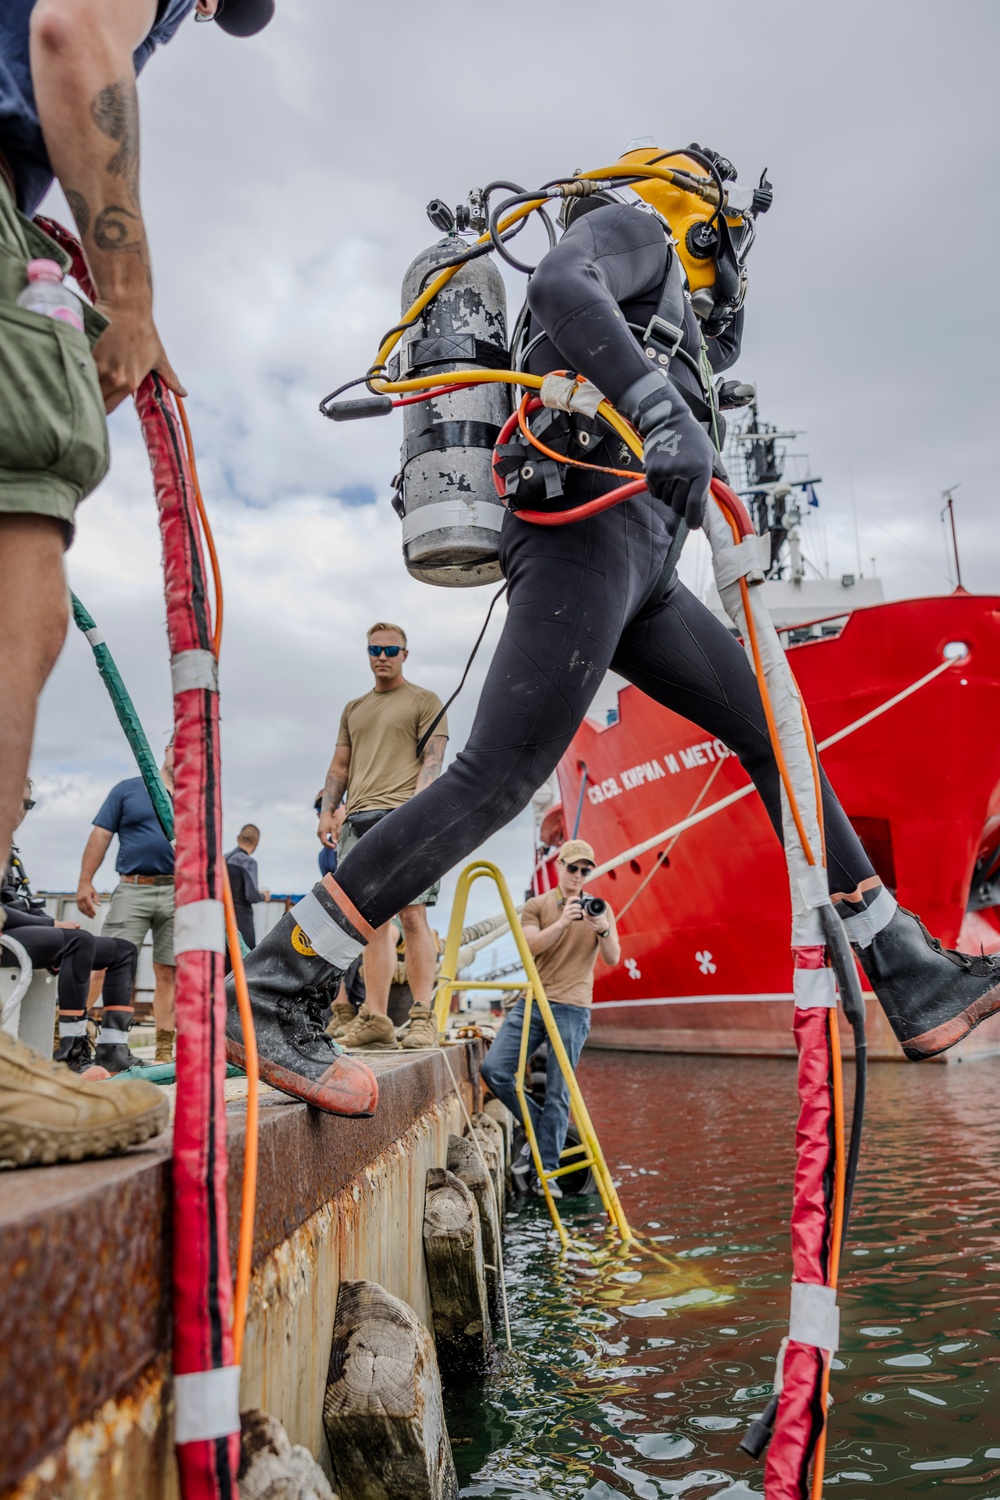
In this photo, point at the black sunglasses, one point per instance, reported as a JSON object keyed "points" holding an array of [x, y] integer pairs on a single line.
{"points": [[579, 869], [384, 650], [28, 803]]}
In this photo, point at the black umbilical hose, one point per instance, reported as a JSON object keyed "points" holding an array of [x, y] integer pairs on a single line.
{"points": [[846, 971]]}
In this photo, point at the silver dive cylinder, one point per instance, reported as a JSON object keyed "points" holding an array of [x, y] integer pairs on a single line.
{"points": [[446, 498]]}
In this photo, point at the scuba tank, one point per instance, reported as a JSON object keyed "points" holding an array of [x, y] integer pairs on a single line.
{"points": [[445, 493]]}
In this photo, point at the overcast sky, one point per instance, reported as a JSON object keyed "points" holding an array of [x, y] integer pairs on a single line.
{"points": [[284, 181]]}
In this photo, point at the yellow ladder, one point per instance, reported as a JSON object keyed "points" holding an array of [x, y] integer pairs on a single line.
{"points": [[588, 1153]]}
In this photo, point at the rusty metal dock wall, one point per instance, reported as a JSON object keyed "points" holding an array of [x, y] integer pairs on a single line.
{"points": [[85, 1386]]}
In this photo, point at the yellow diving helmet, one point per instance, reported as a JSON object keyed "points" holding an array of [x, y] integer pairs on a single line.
{"points": [[710, 219]]}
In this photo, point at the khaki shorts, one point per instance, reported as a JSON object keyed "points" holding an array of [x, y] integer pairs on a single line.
{"points": [[347, 841], [135, 909], [53, 428]]}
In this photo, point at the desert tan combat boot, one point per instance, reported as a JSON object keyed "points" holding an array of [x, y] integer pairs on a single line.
{"points": [[369, 1033], [343, 1015], [49, 1114], [422, 1030]]}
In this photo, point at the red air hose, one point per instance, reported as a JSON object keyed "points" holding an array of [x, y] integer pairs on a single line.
{"points": [[208, 1401], [561, 517]]}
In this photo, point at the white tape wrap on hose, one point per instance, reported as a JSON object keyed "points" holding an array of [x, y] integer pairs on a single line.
{"points": [[750, 560], [815, 1317], [194, 669], [94, 636], [563, 394], [206, 1405], [814, 988], [200, 927]]}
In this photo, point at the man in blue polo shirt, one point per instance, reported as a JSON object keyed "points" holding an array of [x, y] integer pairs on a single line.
{"points": [[143, 900]]}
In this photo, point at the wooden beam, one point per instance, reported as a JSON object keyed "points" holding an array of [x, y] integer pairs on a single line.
{"points": [[383, 1410]]}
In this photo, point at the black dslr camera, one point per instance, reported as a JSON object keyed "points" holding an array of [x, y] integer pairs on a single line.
{"points": [[593, 906]]}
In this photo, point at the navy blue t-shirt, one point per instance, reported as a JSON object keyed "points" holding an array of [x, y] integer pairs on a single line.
{"points": [[143, 848], [20, 133]]}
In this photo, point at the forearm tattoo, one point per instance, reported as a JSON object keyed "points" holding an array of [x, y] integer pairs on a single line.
{"points": [[116, 226]]}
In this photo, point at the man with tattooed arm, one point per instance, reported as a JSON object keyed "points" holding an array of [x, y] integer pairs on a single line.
{"points": [[68, 110]]}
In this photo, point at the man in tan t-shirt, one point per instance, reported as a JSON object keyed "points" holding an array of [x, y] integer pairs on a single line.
{"points": [[566, 942], [377, 765]]}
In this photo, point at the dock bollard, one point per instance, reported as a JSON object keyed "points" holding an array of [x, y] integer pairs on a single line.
{"points": [[383, 1411], [453, 1255]]}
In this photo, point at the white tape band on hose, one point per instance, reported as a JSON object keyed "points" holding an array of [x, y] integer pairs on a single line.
{"points": [[815, 1317], [194, 669], [814, 988], [749, 559], [443, 513], [326, 936], [814, 886], [200, 927], [206, 1404], [563, 394], [862, 928], [94, 636]]}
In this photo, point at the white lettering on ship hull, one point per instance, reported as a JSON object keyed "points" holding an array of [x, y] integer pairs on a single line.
{"points": [[705, 753]]}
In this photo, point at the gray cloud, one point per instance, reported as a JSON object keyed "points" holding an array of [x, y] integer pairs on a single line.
{"points": [[284, 181]]}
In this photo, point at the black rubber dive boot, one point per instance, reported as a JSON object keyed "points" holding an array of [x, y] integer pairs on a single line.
{"points": [[112, 1051], [290, 990], [932, 996], [75, 1052]]}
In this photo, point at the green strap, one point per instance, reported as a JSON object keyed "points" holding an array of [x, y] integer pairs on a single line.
{"points": [[127, 718]]}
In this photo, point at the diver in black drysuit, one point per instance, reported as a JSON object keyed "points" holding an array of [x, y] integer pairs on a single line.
{"points": [[583, 598], [586, 597]]}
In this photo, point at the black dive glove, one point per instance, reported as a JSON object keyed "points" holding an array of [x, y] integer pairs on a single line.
{"points": [[678, 454]]}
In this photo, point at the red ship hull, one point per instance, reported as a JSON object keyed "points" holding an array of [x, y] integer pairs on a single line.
{"points": [[705, 941]]}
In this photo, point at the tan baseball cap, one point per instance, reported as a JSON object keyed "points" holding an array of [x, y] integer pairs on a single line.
{"points": [[576, 849]]}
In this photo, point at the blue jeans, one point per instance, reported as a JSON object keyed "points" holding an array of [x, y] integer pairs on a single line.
{"points": [[500, 1070]]}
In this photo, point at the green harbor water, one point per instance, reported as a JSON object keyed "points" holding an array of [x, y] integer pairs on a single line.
{"points": [[637, 1376]]}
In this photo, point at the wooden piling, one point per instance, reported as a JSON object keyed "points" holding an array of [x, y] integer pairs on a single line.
{"points": [[469, 1167], [383, 1410], [453, 1253], [502, 1115], [490, 1137]]}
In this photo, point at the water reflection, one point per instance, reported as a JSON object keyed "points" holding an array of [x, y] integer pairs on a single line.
{"points": [[636, 1375]]}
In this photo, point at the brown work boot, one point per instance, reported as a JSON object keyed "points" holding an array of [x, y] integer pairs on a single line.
{"points": [[164, 1046], [369, 1033], [48, 1114], [343, 1015], [422, 1030]]}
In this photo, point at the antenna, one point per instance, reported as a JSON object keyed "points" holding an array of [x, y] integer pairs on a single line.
{"points": [[949, 506]]}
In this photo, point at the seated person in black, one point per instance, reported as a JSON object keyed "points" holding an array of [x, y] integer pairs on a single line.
{"points": [[74, 954]]}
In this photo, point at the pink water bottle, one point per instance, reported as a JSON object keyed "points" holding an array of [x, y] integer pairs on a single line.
{"points": [[46, 294]]}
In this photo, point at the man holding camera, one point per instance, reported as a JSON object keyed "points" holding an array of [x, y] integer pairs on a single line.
{"points": [[567, 931]]}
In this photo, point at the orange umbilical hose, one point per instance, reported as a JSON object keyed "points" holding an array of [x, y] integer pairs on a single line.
{"points": [[248, 1207], [765, 696], [244, 1255], [206, 528], [561, 458]]}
